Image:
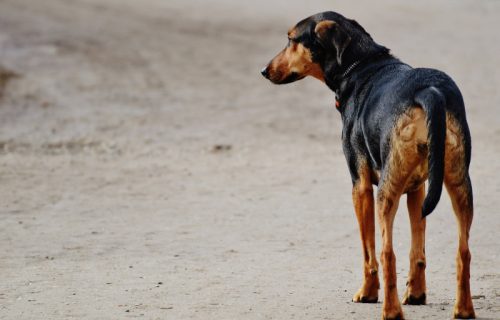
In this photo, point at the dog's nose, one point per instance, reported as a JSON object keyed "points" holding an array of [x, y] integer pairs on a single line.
{"points": [[265, 72]]}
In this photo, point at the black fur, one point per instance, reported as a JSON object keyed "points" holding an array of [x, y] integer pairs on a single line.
{"points": [[376, 91], [434, 103]]}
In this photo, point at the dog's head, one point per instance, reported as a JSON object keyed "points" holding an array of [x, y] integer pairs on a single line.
{"points": [[318, 46]]}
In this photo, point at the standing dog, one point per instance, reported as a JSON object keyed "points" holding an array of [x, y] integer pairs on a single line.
{"points": [[401, 126]]}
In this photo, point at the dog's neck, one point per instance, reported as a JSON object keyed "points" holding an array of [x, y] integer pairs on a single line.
{"points": [[334, 78], [343, 81]]}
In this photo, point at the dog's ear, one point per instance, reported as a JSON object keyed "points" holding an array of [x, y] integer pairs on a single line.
{"points": [[329, 33]]}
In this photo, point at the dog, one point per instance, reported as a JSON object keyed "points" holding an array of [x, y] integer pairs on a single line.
{"points": [[402, 126]]}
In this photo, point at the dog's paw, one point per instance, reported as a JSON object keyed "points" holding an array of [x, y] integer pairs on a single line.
{"points": [[362, 297], [392, 311], [460, 313], [396, 316], [410, 299], [368, 292]]}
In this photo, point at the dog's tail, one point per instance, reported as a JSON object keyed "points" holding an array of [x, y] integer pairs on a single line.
{"points": [[433, 102]]}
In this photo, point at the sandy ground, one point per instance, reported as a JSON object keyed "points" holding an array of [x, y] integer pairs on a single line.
{"points": [[117, 202]]}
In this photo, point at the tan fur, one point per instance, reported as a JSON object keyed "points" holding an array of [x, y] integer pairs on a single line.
{"points": [[408, 165], [454, 159], [458, 187], [406, 173], [362, 196], [294, 58], [387, 205], [416, 277]]}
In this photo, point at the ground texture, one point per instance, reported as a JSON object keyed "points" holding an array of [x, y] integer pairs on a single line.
{"points": [[148, 170]]}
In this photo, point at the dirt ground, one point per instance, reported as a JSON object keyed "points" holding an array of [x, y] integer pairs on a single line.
{"points": [[147, 170]]}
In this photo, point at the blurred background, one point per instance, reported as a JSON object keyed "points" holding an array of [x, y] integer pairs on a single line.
{"points": [[148, 170]]}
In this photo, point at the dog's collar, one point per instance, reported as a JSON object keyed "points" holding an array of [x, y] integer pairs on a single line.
{"points": [[350, 68], [356, 63], [345, 74]]}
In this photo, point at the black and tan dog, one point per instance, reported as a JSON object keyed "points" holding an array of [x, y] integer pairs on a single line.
{"points": [[401, 126]]}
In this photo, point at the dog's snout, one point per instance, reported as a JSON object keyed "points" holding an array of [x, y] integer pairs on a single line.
{"points": [[265, 72]]}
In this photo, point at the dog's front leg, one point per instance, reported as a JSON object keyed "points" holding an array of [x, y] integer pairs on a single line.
{"points": [[362, 197], [387, 205]]}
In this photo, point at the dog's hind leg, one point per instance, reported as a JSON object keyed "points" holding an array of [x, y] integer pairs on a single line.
{"points": [[415, 291], [457, 182], [387, 205], [461, 199], [362, 196], [403, 164]]}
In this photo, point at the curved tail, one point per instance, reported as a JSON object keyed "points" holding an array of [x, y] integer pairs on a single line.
{"points": [[433, 103]]}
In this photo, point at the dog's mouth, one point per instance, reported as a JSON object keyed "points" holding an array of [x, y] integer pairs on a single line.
{"points": [[292, 77]]}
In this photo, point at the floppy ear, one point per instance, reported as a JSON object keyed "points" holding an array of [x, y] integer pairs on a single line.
{"points": [[329, 34]]}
